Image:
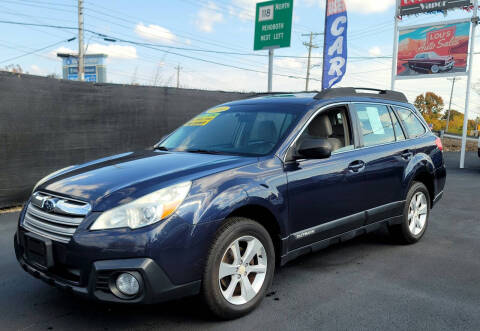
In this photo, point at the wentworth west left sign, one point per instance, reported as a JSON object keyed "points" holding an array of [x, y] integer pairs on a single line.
{"points": [[411, 7]]}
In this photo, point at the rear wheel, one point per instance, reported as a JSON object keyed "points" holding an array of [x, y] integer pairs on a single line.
{"points": [[415, 215], [239, 268]]}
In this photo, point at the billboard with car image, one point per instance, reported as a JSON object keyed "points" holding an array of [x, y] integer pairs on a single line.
{"points": [[435, 49]]}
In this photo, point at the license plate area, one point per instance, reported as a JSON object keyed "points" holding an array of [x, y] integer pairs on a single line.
{"points": [[38, 251]]}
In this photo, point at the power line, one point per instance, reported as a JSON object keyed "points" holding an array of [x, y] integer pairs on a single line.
{"points": [[184, 48], [37, 50]]}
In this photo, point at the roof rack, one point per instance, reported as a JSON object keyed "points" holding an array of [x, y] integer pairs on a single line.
{"points": [[260, 94], [357, 92]]}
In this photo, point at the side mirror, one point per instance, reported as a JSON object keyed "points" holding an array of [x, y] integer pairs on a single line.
{"points": [[314, 149]]}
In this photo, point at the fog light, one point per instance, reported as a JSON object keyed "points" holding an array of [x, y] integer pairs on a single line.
{"points": [[127, 284]]}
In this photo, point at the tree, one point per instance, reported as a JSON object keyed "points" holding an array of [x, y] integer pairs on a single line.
{"points": [[429, 104], [17, 69]]}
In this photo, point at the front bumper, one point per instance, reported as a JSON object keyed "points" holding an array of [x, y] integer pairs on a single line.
{"points": [[155, 284], [448, 66]]}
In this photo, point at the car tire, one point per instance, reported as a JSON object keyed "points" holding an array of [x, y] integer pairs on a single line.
{"points": [[435, 69], [415, 215], [231, 296]]}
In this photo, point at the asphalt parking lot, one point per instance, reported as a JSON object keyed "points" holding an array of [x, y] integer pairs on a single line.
{"points": [[367, 283]]}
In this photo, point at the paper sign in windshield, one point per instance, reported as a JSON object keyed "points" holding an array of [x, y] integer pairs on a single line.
{"points": [[218, 110], [375, 121], [202, 119]]}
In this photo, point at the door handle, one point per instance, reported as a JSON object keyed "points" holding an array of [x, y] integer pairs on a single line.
{"points": [[407, 155], [356, 166]]}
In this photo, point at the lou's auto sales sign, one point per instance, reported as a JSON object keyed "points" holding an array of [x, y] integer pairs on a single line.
{"points": [[411, 7]]}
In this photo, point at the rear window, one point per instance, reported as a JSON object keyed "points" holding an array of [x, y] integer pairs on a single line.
{"points": [[376, 124], [412, 124]]}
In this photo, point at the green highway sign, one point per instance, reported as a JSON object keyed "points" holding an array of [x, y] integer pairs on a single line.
{"points": [[273, 24]]}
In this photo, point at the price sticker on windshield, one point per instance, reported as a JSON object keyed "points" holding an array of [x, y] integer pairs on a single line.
{"points": [[218, 110], [202, 119]]}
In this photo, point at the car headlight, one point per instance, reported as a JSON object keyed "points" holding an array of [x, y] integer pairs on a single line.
{"points": [[144, 211]]}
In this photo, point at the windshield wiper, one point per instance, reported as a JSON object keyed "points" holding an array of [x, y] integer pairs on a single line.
{"points": [[161, 148], [203, 151]]}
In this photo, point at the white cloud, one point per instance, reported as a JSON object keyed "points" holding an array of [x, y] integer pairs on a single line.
{"points": [[289, 63], [244, 9], [369, 6], [36, 70], [208, 16], [113, 51], [154, 33], [375, 51], [360, 6]]}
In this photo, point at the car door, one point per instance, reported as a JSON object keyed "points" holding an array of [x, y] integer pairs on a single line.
{"points": [[384, 159], [324, 194]]}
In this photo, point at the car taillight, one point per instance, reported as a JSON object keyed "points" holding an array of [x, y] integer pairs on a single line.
{"points": [[438, 141]]}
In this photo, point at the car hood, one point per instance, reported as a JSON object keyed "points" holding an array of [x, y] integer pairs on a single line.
{"points": [[107, 182]]}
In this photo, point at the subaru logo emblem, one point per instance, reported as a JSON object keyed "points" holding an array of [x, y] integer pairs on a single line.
{"points": [[49, 205]]}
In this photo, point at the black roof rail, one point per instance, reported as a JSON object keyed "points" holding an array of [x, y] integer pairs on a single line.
{"points": [[260, 94], [357, 92]]}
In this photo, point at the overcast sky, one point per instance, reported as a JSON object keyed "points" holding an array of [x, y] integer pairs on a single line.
{"points": [[212, 25]]}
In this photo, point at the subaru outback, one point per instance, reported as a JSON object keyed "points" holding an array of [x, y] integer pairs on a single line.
{"points": [[243, 187]]}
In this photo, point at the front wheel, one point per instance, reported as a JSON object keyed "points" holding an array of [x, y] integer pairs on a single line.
{"points": [[239, 268], [415, 215], [435, 69]]}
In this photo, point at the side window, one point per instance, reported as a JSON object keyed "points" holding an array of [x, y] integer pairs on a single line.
{"points": [[333, 125], [375, 124], [412, 124], [398, 128]]}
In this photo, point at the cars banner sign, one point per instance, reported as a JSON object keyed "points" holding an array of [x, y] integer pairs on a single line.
{"points": [[433, 50], [335, 47], [411, 7]]}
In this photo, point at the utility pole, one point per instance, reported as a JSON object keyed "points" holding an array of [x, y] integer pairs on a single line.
{"points": [[81, 55], [310, 45], [178, 75], [450, 103]]}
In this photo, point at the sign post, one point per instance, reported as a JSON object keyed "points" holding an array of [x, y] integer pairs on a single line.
{"points": [[395, 45], [273, 29], [469, 83]]}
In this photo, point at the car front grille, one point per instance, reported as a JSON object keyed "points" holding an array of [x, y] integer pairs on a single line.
{"points": [[56, 219]]}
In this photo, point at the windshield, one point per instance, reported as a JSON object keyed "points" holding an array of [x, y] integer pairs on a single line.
{"points": [[246, 130]]}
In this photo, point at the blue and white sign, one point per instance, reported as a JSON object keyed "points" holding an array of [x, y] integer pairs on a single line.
{"points": [[94, 70], [335, 47], [90, 73]]}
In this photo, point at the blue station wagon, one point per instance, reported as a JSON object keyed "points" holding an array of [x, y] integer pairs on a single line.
{"points": [[243, 187]]}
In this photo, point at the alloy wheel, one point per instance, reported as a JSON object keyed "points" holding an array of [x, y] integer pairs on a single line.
{"points": [[417, 213], [242, 270]]}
